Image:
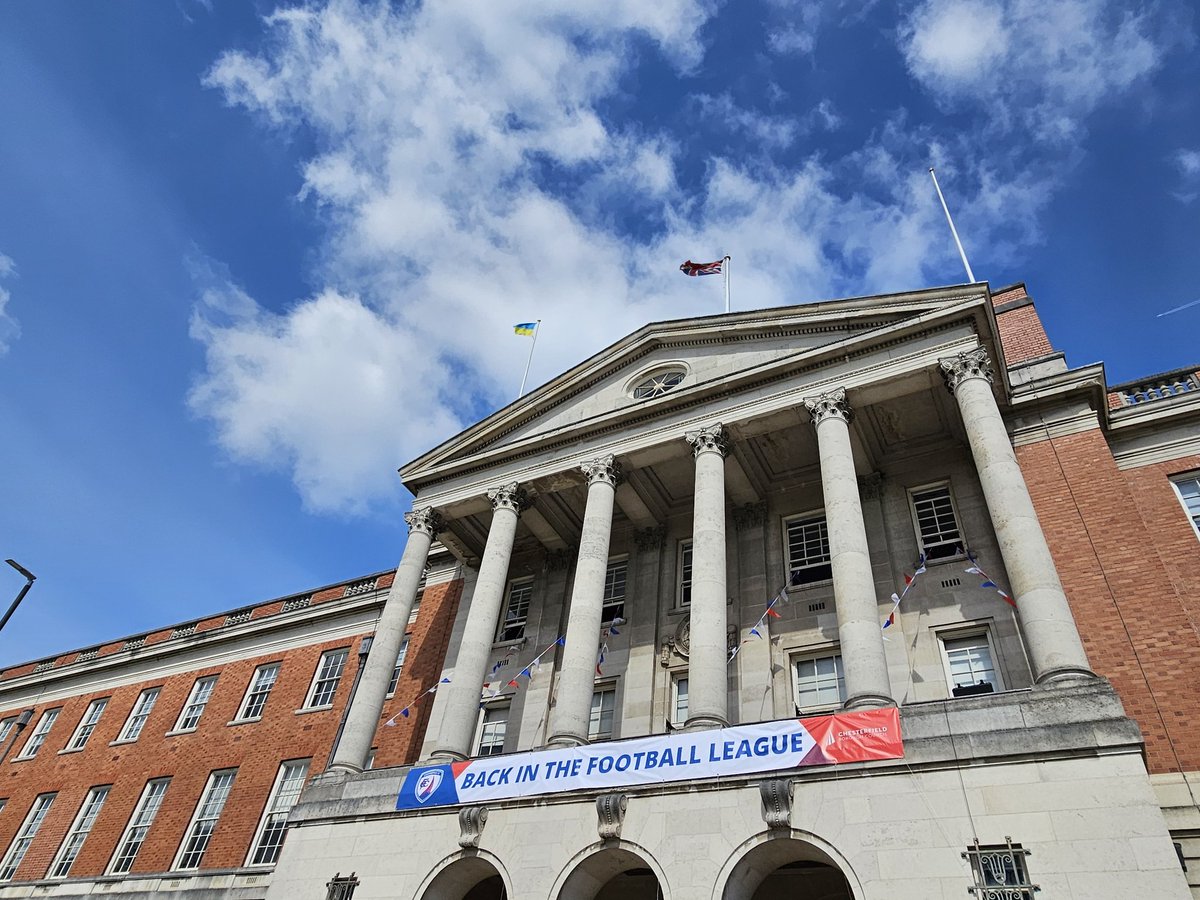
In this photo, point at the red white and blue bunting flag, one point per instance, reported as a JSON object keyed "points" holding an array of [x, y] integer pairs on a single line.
{"points": [[761, 627], [909, 580], [975, 569], [491, 693], [404, 713]]}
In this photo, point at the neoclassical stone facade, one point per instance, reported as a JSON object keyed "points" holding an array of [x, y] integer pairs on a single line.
{"points": [[826, 511]]}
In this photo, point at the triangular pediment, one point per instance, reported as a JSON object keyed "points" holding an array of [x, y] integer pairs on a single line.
{"points": [[712, 353]]}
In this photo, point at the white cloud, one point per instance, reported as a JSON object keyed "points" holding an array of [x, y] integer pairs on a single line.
{"points": [[1188, 163], [771, 132], [1038, 66], [10, 330], [468, 180]]}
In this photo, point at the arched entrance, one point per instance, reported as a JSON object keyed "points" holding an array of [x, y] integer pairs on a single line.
{"points": [[785, 868], [469, 878], [613, 873]]}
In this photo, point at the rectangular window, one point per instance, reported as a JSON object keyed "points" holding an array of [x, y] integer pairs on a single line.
{"points": [[937, 524], [325, 681], [600, 725], [139, 825], [34, 744], [969, 664], [808, 550], [269, 839], [819, 682], [6, 726], [139, 714], [679, 700], [684, 598], [204, 820], [493, 730], [395, 679], [614, 591], [261, 682], [28, 831], [202, 690], [516, 611], [80, 829], [87, 724], [1188, 489], [1000, 871]]}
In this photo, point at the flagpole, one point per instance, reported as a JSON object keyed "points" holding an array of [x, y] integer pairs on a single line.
{"points": [[528, 362], [726, 268], [954, 231]]}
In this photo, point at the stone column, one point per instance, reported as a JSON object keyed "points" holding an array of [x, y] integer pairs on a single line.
{"points": [[363, 716], [1055, 649], [572, 712], [474, 650], [863, 658], [708, 657]]}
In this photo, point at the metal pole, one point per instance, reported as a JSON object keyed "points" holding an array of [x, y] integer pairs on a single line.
{"points": [[525, 377], [954, 231], [726, 268], [30, 578]]}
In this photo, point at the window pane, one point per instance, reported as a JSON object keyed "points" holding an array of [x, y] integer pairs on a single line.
{"points": [[516, 612], [139, 825], [819, 682], [274, 825], [260, 688], [685, 574], [140, 713], [614, 591], [600, 724], [970, 661], [495, 726], [205, 821], [79, 832], [23, 840], [399, 665], [329, 673], [940, 536], [681, 701]]}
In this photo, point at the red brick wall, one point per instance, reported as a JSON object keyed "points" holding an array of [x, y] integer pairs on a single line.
{"points": [[256, 749], [1137, 627], [1021, 331]]}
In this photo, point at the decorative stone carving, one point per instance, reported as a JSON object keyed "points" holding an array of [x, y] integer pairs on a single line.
{"points": [[650, 538], [605, 469], [832, 403], [749, 515], [708, 440], [610, 810], [679, 642], [471, 820], [776, 796], [426, 520], [970, 364], [510, 496], [870, 487], [559, 560]]}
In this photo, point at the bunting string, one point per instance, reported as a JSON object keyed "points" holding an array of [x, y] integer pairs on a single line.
{"points": [[769, 613], [526, 672], [976, 569], [909, 581], [404, 713]]}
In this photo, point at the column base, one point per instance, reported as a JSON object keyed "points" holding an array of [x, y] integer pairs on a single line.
{"points": [[564, 740], [869, 701], [704, 723], [1065, 676], [342, 769], [442, 756]]}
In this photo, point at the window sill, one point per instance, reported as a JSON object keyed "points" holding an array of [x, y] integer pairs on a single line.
{"points": [[23, 758], [244, 721], [175, 732], [515, 642], [808, 586], [314, 709], [65, 750], [119, 741]]}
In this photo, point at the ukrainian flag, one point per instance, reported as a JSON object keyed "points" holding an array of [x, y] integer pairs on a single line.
{"points": [[525, 328]]}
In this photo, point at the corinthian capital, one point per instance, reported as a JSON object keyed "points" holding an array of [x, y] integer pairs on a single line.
{"points": [[604, 469], [831, 404], [426, 520], [708, 440], [970, 364], [509, 496]]}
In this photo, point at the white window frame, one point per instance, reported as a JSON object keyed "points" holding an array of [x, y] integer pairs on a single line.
{"points": [[201, 693], [597, 716], [482, 732], [141, 819], [394, 681], [610, 599], [139, 715], [813, 655], [509, 620], [37, 737], [677, 679], [1193, 518], [85, 819], [816, 515], [320, 675], [6, 727], [963, 633], [87, 724], [208, 810], [960, 541], [683, 574], [283, 796], [254, 688], [15, 855]]}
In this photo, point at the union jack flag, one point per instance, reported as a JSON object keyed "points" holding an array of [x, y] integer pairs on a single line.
{"points": [[691, 268]]}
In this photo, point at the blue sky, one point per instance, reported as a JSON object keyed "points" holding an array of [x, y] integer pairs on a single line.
{"points": [[254, 258]]}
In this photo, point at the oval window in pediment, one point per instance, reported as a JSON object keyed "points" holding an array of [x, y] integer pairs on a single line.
{"points": [[658, 383]]}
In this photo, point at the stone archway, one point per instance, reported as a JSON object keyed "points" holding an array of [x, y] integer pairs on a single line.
{"points": [[469, 878], [783, 868], [613, 873]]}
